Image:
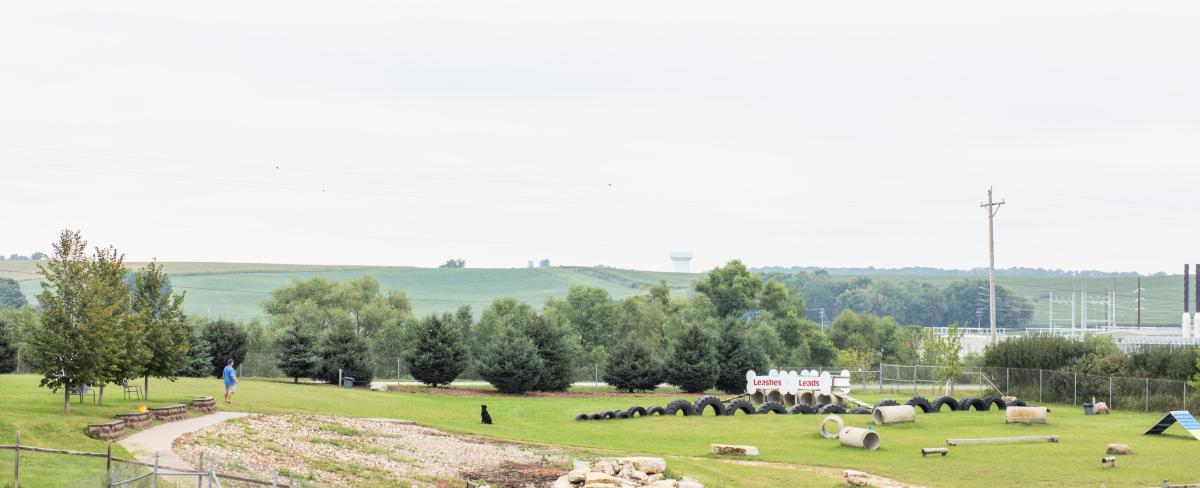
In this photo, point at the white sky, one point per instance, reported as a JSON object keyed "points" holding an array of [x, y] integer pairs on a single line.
{"points": [[783, 133]]}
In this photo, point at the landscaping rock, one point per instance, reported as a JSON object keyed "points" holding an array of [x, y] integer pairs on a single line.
{"points": [[628, 472], [1118, 449], [734, 450], [1100, 408]]}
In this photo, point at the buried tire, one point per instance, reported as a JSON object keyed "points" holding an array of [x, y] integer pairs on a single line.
{"points": [[773, 407], [886, 402], [596, 416], [860, 411], [803, 409], [832, 408], [677, 406], [610, 414], [997, 401], [971, 402], [583, 416], [919, 402], [656, 410], [948, 400], [1016, 403], [740, 405], [709, 401], [636, 411]]}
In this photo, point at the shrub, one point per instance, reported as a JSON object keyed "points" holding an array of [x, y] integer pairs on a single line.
{"points": [[297, 356]]}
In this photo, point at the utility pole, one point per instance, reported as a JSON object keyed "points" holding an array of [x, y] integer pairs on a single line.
{"points": [[1139, 302], [992, 208]]}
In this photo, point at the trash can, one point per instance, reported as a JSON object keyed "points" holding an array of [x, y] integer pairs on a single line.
{"points": [[1088, 409], [348, 382]]}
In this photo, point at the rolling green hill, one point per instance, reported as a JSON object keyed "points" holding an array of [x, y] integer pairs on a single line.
{"points": [[235, 290]]}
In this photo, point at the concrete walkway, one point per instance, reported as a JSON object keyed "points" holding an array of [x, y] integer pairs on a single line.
{"points": [[158, 439]]}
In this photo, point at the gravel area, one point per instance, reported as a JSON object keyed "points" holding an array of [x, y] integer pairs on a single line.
{"points": [[342, 451]]}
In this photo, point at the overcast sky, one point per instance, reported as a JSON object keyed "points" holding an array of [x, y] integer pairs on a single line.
{"points": [[782, 133]]}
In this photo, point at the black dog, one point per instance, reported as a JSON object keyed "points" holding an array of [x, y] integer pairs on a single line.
{"points": [[484, 416]]}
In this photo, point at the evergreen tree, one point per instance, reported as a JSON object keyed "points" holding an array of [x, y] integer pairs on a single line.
{"points": [[296, 354], [693, 367], [199, 357], [509, 361], [439, 352], [633, 366], [159, 311], [737, 354], [557, 347], [225, 341], [343, 349]]}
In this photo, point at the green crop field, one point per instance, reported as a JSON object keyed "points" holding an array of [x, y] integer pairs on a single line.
{"points": [[789, 444], [235, 290]]}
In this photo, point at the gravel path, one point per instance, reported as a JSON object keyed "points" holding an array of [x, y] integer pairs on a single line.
{"points": [[158, 439], [350, 451]]}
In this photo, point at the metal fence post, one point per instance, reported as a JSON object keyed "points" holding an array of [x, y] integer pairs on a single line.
{"points": [[1110, 404], [1185, 402], [914, 379], [154, 474], [1040, 371], [1006, 381], [881, 377], [1075, 397], [1147, 394]]}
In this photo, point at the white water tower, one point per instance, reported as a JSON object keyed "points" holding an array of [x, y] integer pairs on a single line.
{"points": [[681, 261]]}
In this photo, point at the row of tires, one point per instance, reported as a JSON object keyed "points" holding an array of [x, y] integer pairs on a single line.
{"points": [[978, 404], [718, 408]]}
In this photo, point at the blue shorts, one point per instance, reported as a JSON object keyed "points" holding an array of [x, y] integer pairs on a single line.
{"points": [[230, 388]]}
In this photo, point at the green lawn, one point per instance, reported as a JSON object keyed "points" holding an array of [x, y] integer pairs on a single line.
{"points": [[787, 443]]}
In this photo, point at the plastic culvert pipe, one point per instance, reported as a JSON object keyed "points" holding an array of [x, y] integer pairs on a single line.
{"points": [[1026, 415], [860, 438], [837, 424], [894, 414], [807, 398]]}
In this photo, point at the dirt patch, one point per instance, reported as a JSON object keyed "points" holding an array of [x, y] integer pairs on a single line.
{"points": [[833, 473], [343, 451], [519, 475]]}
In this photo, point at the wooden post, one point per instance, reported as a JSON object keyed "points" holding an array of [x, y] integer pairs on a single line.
{"points": [[17, 463]]}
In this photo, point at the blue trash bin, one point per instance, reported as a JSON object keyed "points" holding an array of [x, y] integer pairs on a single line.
{"points": [[1088, 409], [347, 382]]}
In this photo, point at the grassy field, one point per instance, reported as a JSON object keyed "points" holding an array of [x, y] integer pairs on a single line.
{"points": [[789, 444]]}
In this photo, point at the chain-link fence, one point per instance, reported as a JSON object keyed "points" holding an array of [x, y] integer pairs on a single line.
{"points": [[1039, 385], [264, 365]]}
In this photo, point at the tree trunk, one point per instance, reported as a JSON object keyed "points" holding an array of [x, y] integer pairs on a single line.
{"points": [[146, 388], [100, 397], [66, 399], [296, 380]]}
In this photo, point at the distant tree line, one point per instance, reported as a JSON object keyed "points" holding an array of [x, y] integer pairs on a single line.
{"points": [[929, 271], [961, 302], [18, 257]]}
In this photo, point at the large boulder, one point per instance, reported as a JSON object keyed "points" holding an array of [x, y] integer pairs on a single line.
{"points": [[1118, 449]]}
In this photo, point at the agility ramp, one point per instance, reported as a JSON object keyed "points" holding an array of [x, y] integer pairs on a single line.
{"points": [[1185, 419]]}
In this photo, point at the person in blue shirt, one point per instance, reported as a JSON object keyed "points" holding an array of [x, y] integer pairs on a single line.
{"points": [[231, 381]]}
